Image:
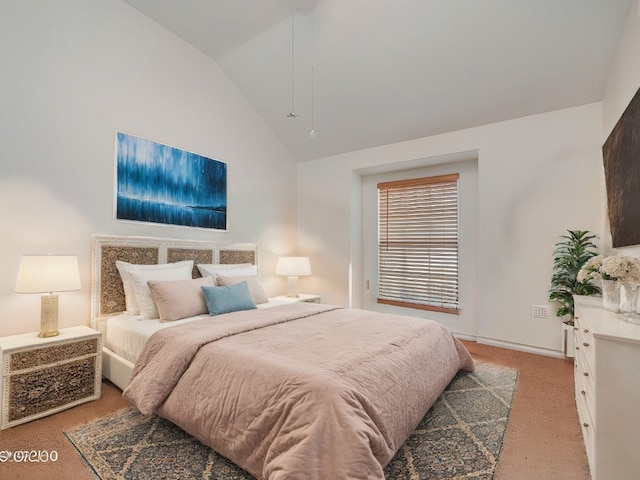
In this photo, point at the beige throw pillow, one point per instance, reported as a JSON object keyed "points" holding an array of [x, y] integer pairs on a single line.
{"points": [[255, 287], [178, 299]]}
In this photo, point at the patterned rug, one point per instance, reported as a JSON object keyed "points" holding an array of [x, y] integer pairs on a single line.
{"points": [[459, 438]]}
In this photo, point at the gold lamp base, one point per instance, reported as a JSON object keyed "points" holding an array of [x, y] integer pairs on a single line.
{"points": [[48, 316], [292, 287]]}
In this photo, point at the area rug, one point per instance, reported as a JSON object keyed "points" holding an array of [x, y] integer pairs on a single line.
{"points": [[459, 438]]}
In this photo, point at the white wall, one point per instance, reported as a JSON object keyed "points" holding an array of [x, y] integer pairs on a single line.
{"points": [[73, 73], [537, 177], [622, 84]]}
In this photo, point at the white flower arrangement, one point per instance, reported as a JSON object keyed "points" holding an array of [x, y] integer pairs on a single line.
{"points": [[622, 268], [590, 270]]}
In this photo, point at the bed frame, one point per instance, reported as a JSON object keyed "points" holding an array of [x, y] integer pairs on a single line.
{"points": [[107, 292]]}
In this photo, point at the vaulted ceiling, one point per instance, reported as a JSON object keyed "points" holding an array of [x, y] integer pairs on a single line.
{"points": [[363, 73]]}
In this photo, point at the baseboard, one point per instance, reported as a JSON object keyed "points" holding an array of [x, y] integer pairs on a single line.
{"points": [[523, 348], [463, 336], [513, 346]]}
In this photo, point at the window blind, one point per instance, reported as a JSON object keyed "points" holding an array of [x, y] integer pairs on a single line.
{"points": [[418, 243]]}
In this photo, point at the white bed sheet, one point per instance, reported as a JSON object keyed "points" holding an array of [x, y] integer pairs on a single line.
{"points": [[126, 334]]}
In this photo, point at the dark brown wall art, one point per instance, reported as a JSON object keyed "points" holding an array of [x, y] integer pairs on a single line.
{"points": [[621, 153]]}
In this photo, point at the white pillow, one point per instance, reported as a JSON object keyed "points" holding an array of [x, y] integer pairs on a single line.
{"points": [[253, 282], [131, 302], [227, 269]]}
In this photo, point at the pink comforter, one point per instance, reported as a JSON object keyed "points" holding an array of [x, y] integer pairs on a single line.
{"points": [[302, 391]]}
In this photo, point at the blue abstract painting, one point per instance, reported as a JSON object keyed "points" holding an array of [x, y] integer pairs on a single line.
{"points": [[161, 184]]}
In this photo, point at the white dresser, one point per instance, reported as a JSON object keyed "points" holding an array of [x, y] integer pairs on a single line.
{"points": [[607, 381]]}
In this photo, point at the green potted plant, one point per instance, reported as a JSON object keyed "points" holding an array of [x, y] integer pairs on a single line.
{"points": [[570, 254]]}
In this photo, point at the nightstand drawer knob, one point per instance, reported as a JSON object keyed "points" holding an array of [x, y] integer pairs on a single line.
{"points": [[585, 425], [583, 392], [585, 344], [586, 330], [586, 374]]}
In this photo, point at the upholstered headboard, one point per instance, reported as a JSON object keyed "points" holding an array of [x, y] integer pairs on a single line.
{"points": [[107, 292]]}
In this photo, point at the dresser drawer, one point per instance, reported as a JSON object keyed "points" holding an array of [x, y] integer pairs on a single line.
{"points": [[38, 357], [584, 343], [31, 393], [588, 435], [585, 389]]}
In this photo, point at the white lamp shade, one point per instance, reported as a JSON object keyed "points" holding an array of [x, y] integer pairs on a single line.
{"points": [[48, 273], [293, 266]]}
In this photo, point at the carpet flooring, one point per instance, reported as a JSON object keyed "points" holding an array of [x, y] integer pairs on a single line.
{"points": [[459, 438]]}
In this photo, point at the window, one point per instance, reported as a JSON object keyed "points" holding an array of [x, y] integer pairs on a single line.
{"points": [[418, 243]]}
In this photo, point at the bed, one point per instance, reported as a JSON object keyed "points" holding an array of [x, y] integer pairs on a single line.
{"points": [[285, 391]]}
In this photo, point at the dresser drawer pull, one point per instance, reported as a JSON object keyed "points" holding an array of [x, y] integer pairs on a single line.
{"points": [[585, 425], [585, 344], [586, 374], [583, 392], [586, 330], [577, 347]]}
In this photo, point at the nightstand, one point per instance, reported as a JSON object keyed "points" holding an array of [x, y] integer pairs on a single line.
{"points": [[302, 297], [41, 376]]}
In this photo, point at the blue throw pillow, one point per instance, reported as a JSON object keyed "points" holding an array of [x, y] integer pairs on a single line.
{"points": [[231, 298]]}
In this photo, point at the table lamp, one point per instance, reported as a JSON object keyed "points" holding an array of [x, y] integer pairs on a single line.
{"points": [[48, 274], [292, 268]]}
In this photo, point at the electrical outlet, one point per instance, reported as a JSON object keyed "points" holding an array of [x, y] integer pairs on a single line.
{"points": [[539, 311]]}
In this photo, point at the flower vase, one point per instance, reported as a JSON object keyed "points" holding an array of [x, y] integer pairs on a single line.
{"points": [[629, 297], [611, 295]]}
